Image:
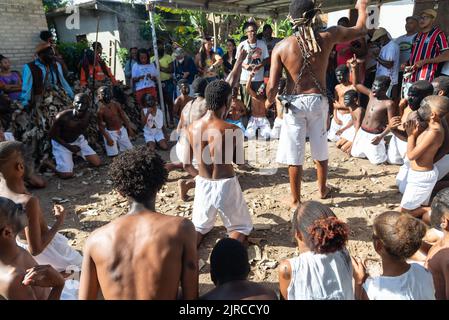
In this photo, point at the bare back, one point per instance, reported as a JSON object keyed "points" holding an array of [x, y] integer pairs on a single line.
{"points": [[240, 290], [433, 136], [438, 263]]}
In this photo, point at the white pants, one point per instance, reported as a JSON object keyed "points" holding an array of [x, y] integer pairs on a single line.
{"points": [[225, 197], [121, 140], [153, 135], [363, 148], [349, 134], [276, 131], [401, 177], [260, 123], [64, 157], [418, 188], [397, 150], [345, 118], [443, 167], [306, 117]]}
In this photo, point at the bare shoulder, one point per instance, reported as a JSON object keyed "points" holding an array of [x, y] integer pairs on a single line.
{"points": [[31, 203], [285, 270], [11, 286], [63, 115]]}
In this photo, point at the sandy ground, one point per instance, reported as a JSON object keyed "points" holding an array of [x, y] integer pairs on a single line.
{"points": [[364, 191]]}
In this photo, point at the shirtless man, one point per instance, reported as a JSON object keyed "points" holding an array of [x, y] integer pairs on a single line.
{"points": [[43, 242], [441, 86], [20, 276], [342, 114], [307, 95], [258, 118], [144, 255], [216, 144], [183, 99], [110, 118], [369, 141], [237, 110], [67, 136], [421, 150], [229, 269]]}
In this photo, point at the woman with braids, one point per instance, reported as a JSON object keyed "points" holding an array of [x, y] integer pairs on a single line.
{"points": [[396, 237], [207, 61], [323, 270]]}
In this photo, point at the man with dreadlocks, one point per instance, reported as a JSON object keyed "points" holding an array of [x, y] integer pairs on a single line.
{"points": [[304, 56]]}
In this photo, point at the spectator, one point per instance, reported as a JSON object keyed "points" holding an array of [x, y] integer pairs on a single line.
{"points": [[184, 68], [47, 36], [207, 61], [445, 68], [229, 56], [129, 64], [10, 80], [144, 75], [102, 71], [270, 41]]}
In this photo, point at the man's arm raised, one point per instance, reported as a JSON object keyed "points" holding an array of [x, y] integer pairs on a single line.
{"points": [[342, 34]]}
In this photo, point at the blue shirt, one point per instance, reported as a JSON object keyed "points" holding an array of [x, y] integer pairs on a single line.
{"points": [[27, 81]]}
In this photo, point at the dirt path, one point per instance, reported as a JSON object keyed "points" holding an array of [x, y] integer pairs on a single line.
{"points": [[364, 192]]}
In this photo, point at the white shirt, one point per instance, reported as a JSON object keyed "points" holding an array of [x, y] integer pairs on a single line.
{"points": [[389, 52], [157, 120], [257, 53], [405, 44], [321, 276], [144, 70], [415, 284]]}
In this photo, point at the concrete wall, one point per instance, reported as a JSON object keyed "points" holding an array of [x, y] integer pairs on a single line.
{"points": [[443, 12], [20, 24]]}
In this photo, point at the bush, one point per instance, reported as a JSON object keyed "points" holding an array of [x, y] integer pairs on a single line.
{"points": [[72, 52]]}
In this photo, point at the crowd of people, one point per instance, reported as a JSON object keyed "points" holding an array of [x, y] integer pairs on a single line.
{"points": [[383, 99]]}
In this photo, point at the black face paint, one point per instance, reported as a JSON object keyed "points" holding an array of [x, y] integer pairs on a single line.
{"points": [[341, 76], [149, 101], [379, 87], [105, 95], [80, 105], [349, 101], [414, 98]]}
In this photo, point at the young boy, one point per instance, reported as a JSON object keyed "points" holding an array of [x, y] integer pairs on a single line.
{"points": [[369, 140], [215, 144], [237, 110], [421, 150], [347, 133], [437, 261], [258, 118], [182, 100], [342, 114], [111, 118], [276, 130], [153, 121], [144, 255]]}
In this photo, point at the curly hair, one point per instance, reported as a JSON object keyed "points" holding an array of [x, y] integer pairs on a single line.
{"points": [[400, 234], [217, 94], [199, 86], [138, 173], [320, 229], [440, 207]]}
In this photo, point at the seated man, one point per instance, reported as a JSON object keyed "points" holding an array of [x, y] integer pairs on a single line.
{"points": [[67, 136], [144, 255], [237, 110], [183, 98], [229, 269], [348, 132], [111, 114], [152, 120], [258, 119]]}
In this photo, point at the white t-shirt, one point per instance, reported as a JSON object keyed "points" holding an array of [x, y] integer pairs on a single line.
{"points": [[144, 70], [415, 284], [257, 53], [405, 44], [157, 120], [389, 52]]}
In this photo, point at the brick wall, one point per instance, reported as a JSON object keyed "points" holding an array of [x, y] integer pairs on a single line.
{"points": [[20, 24]]}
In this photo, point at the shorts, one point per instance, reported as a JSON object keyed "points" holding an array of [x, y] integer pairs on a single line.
{"points": [[345, 118], [276, 130], [419, 188], [397, 150], [238, 123], [401, 177], [153, 135], [121, 140], [223, 196], [64, 157], [260, 123], [349, 134], [443, 167], [363, 148], [306, 117]]}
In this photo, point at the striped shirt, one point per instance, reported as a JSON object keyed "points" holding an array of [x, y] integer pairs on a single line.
{"points": [[427, 46]]}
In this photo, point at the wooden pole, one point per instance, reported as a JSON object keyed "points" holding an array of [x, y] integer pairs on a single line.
{"points": [[95, 56], [215, 32]]}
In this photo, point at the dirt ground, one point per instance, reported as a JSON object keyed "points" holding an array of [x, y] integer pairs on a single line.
{"points": [[362, 192]]}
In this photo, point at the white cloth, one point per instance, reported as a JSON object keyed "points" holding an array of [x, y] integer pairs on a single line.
{"points": [[389, 52], [146, 70], [224, 196], [153, 128], [321, 276], [257, 53], [443, 167], [418, 188], [9, 136], [401, 177], [405, 44], [180, 148], [64, 157], [397, 150], [276, 130], [58, 254], [260, 123], [349, 134], [363, 148], [306, 117], [415, 284], [121, 141], [70, 290], [344, 118]]}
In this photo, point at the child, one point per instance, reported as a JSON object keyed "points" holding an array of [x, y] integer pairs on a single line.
{"points": [[237, 110], [347, 133], [437, 258], [111, 119], [276, 131], [323, 269], [421, 150], [342, 114], [396, 237], [258, 118], [182, 100], [153, 121]]}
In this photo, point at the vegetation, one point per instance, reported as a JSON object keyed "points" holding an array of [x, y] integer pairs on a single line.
{"points": [[53, 4]]}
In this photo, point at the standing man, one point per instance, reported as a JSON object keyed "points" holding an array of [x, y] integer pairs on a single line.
{"points": [[429, 49], [304, 56], [270, 41], [256, 60], [184, 69]]}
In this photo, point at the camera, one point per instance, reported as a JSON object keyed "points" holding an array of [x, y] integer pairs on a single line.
{"points": [[286, 104]]}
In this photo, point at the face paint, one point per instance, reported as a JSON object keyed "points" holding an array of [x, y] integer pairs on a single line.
{"points": [[105, 95], [341, 76], [379, 87], [349, 101], [80, 105], [149, 101], [414, 98], [185, 89]]}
